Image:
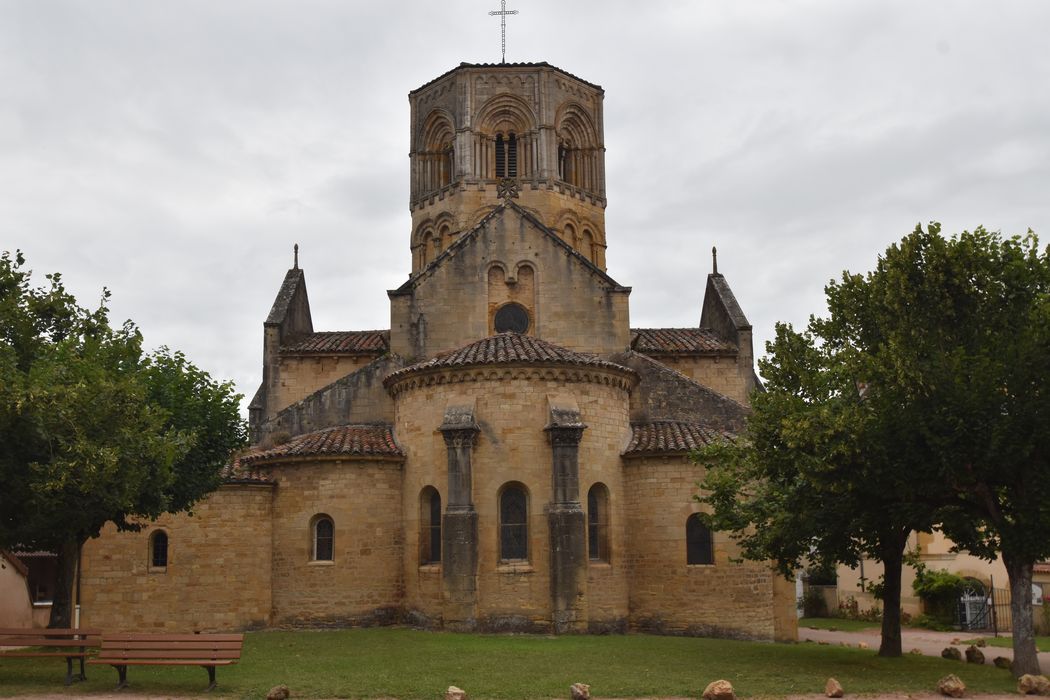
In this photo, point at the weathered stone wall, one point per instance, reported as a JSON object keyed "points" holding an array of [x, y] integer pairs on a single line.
{"points": [[576, 305], [665, 394], [356, 398], [298, 376], [362, 584], [16, 609], [729, 376], [217, 577], [667, 594], [512, 410]]}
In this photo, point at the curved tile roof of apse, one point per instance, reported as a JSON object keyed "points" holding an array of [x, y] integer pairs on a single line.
{"points": [[340, 441], [339, 342], [682, 341], [671, 436], [508, 348]]}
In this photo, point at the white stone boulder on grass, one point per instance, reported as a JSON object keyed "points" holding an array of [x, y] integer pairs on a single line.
{"points": [[719, 690], [580, 691], [951, 686], [454, 693], [1029, 684], [833, 689]]}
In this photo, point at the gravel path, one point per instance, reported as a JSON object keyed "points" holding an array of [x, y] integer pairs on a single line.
{"points": [[927, 641]]}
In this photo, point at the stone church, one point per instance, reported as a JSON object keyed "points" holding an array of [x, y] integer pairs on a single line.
{"points": [[510, 454]]}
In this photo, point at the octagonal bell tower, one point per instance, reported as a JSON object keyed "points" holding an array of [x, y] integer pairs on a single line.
{"points": [[531, 123]]}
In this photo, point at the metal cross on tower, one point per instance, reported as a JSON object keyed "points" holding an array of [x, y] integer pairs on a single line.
{"points": [[503, 12]]}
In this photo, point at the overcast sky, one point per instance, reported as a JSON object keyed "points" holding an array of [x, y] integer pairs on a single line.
{"points": [[174, 151]]}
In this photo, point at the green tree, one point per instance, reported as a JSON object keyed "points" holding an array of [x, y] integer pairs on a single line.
{"points": [[968, 326], [920, 401], [92, 429], [819, 474]]}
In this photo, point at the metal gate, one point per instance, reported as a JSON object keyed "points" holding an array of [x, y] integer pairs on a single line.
{"points": [[974, 609]]}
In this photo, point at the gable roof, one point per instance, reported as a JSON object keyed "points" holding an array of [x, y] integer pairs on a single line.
{"points": [[470, 234], [339, 343], [666, 436], [679, 341], [507, 348]]}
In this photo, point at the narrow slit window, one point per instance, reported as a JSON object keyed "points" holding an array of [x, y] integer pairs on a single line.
{"points": [[430, 526], [158, 550], [324, 539], [501, 156], [598, 523], [698, 542], [512, 156], [513, 522]]}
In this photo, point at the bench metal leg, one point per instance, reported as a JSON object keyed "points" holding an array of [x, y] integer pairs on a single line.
{"points": [[122, 674], [211, 678], [69, 670], [83, 676]]}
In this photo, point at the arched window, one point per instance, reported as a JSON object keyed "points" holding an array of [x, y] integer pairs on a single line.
{"points": [[506, 155], [324, 538], [158, 550], [598, 523], [429, 526], [699, 548], [513, 523]]}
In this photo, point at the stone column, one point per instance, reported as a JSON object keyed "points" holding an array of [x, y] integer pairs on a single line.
{"points": [[566, 523], [459, 524]]}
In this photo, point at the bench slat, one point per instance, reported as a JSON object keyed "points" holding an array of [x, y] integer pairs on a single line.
{"points": [[162, 662], [107, 645], [141, 637], [45, 631], [37, 642], [60, 654], [169, 654]]}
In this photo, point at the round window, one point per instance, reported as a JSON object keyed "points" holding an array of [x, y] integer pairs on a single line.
{"points": [[513, 318]]}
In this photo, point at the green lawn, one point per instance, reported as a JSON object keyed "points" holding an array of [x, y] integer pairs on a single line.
{"points": [[403, 663], [1041, 643], [839, 624]]}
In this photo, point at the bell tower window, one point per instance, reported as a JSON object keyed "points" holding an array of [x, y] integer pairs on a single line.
{"points": [[506, 155]]}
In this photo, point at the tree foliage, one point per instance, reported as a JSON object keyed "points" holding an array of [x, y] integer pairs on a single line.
{"points": [[917, 402], [92, 429]]}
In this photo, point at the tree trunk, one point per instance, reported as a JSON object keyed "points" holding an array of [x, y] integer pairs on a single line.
{"points": [[62, 604], [1026, 660], [892, 560]]}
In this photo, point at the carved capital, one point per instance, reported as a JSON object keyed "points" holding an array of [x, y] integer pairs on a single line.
{"points": [[565, 435], [461, 436]]}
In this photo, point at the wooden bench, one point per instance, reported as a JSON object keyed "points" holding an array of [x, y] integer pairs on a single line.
{"points": [[64, 643], [206, 650]]}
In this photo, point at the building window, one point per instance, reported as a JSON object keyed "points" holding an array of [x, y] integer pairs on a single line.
{"points": [[513, 523], [429, 526], [158, 550], [512, 317], [598, 523], [506, 155], [699, 547], [324, 538]]}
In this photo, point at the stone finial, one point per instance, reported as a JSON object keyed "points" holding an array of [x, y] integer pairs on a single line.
{"points": [[833, 689], [951, 686], [714, 260], [295, 262], [580, 691], [454, 693], [719, 690]]}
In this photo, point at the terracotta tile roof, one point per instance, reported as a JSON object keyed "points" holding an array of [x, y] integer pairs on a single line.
{"points": [[1042, 567], [237, 471], [685, 341], [340, 342], [670, 436], [508, 348], [341, 441]]}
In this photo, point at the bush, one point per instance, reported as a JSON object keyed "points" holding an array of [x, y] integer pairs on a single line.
{"points": [[822, 575], [850, 609], [930, 623], [939, 591]]}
